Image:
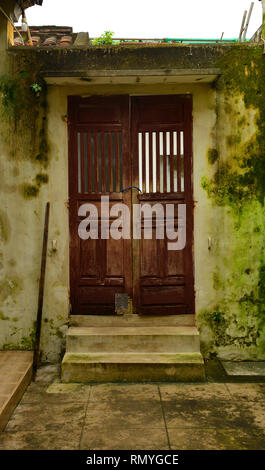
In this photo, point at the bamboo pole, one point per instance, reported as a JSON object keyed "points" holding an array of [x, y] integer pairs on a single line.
{"points": [[248, 20], [263, 19], [242, 26]]}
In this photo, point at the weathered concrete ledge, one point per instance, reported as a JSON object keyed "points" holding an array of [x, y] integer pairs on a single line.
{"points": [[75, 61]]}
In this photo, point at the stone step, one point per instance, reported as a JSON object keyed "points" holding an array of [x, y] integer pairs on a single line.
{"points": [[132, 320], [163, 339], [132, 367]]}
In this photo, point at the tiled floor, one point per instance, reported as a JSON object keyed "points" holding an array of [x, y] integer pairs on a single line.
{"points": [[15, 375], [209, 416]]}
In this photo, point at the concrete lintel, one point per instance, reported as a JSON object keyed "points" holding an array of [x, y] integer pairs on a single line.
{"points": [[102, 77], [133, 73]]}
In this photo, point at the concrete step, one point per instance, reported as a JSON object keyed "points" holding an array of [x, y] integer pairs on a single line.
{"points": [[132, 367], [132, 320], [163, 339]]}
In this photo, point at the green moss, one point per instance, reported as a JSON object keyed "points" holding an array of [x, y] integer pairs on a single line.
{"points": [[41, 178], [216, 281], [3, 317], [242, 121], [8, 287], [27, 342], [4, 227], [23, 108], [243, 71], [54, 330], [229, 187], [233, 140], [29, 191], [212, 155]]}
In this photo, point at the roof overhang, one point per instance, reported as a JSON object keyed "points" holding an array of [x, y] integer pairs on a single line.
{"points": [[163, 64]]}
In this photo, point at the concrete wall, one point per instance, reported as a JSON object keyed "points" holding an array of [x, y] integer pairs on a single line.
{"points": [[22, 243], [229, 213]]}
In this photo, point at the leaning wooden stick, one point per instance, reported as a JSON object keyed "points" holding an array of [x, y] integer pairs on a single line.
{"points": [[41, 292]]}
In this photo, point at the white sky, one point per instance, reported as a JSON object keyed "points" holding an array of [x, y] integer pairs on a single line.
{"points": [[149, 18]]}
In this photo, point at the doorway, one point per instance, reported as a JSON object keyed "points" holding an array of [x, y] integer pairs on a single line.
{"points": [[134, 150]]}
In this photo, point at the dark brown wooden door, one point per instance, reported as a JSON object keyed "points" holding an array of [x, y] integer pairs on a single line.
{"points": [[162, 168], [99, 164], [114, 143]]}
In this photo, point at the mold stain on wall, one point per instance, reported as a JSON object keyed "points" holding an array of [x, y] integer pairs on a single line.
{"points": [[234, 327]]}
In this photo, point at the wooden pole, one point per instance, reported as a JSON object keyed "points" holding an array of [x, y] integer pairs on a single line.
{"points": [[28, 30], [41, 292], [242, 26], [248, 20], [263, 19]]}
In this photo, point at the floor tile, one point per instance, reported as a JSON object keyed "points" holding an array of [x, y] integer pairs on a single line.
{"points": [[65, 438], [48, 373], [116, 392], [214, 439], [50, 416], [125, 412], [247, 391], [194, 391], [201, 413], [56, 393], [122, 438]]}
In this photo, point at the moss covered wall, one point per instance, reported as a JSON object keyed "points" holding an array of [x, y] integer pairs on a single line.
{"points": [[29, 175], [233, 324], [228, 150]]}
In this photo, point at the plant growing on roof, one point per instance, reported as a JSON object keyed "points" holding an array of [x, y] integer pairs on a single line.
{"points": [[105, 39]]}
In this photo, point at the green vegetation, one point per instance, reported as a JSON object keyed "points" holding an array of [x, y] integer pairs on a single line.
{"points": [[30, 191], [23, 109], [212, 156], [236, 322], [105, 39], [244, 176]]}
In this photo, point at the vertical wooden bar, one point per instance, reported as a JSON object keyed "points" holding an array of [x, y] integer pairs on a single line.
{"points": [[151, 177], [103, 162], [89, 173], [178, 163], [82, 145], [110, 164], [41, 292], [96, 161], [143, 163], [171, 190], [157, 163], [10, 33], [118, 183], [164, 162]]}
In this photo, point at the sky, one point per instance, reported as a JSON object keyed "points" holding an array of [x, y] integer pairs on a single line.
{"points": [[149, 18]]}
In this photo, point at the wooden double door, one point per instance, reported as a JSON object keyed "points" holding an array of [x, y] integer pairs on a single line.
{"points": [[132, 151]]}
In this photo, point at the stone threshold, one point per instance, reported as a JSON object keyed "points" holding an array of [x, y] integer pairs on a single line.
{"points": [[15, 376]]}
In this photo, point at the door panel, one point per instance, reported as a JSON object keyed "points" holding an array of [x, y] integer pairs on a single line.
{"points": [[162, 168], [99, 164]]}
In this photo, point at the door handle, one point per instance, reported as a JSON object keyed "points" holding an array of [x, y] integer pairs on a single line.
{"points": [[131, 187]]}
